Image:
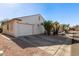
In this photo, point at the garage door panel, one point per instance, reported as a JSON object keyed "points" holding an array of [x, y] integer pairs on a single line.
{"points": [[24, 29]]}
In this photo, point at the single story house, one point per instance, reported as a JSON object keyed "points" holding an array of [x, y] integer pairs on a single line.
{"points": [[26, 25]]}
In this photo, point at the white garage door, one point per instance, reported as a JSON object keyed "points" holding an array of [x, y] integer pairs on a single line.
{"points": [[25, 29]]}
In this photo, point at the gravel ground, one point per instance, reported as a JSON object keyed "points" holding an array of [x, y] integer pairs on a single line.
{"points": [[10, 48]]}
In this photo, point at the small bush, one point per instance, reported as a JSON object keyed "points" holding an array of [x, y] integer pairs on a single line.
{"points": [[1, 30]]}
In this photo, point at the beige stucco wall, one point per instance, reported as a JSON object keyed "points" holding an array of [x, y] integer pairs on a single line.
{"points": [[34, 19], [11, 30], [27, 25], [34, 22]]}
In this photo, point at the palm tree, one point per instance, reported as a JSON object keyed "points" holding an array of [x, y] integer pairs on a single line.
{"points": [[2, 23], [65, 27], [56, 27], [48, 26], [1, 29]]}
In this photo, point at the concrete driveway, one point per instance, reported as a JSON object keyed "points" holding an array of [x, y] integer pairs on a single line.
{"points": [[41, 45], [75, 49], [55, 45]]}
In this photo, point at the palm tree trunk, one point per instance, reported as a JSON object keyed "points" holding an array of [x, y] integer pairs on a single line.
{"points": [[48, 32], [54, 32]]}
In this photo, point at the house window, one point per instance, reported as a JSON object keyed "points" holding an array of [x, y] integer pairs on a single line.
{"points": [[39, 18], [42, 23], [7, 26], [38, 25]]}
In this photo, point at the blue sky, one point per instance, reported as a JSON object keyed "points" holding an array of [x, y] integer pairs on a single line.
{"points": [[61, 12]]}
